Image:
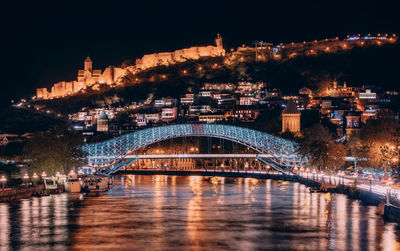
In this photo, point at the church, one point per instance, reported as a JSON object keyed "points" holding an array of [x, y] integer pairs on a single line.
{"points": [[291, 118]]}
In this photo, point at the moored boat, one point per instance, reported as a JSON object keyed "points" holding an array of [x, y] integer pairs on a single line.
{"points": [[72, 183]]}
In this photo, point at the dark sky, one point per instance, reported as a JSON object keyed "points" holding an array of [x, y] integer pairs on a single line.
{"points": [[47, 41]]}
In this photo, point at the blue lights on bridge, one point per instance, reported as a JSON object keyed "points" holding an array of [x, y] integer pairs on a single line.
{"points": [[112, 153]]}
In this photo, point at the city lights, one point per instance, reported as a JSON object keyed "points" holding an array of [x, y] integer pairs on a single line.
{"points": [[136, 125]]}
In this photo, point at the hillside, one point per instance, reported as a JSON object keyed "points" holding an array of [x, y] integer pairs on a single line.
{"points": [[20, 121], [361, 66]]}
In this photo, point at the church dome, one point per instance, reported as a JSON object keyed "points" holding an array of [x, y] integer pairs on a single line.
{"points": [[291, 108], [103, 116]]}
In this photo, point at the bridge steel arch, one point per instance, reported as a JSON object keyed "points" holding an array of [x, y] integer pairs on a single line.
{"points": [[110, 152]]}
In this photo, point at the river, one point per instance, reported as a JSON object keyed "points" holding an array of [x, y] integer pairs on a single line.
{"points": [[195, 213]]}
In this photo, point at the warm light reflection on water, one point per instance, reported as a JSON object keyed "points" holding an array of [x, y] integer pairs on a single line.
{"points": [[195, 213]]}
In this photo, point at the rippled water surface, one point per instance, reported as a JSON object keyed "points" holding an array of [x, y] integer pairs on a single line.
{"points": [[195, 213]]}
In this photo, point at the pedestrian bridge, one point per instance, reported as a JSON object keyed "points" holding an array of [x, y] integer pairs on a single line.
{"points": [[111, 155]]}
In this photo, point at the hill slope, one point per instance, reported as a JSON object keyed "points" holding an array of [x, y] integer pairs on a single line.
{"points": [[361, 66]]}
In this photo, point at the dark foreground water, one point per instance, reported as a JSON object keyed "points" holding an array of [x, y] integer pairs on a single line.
{"points": [[195, 213]]}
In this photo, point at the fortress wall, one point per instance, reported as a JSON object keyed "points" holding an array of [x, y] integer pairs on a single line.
{"points": [[107, 76], [78, 86], [118, 74], [166, 58], [89, 76]]}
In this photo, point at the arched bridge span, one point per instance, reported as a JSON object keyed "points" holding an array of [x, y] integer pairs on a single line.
{"points": [[112, 154]]}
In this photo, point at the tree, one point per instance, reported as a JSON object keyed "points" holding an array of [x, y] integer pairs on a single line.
{"points": [[8, 169], [54, 151], [322, 150], [377, 143]]}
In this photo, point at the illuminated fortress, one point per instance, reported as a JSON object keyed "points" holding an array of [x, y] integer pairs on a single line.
{"points": [[89, 77], [112, 76], [193, 53], [86, 77]]}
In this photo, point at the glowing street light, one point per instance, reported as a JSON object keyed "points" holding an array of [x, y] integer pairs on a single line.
{"points": [[388, 183], [44, 175], [25, 178], [370, 178], [341, 175], [3, 180], [35, 177]]}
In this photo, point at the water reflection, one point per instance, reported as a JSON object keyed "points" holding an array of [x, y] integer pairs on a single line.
{"points": [[197, 213]]}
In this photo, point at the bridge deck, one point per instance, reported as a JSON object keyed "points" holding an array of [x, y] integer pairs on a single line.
{"points": [[187, 156]]}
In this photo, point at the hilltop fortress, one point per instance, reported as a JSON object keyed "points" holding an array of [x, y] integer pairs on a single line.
{"points": [[112, 76], [193, 53], [86, 77]]}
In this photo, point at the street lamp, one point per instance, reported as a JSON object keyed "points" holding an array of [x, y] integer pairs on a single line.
{"points": [[25, 178], [3, 180], [370, 178], [35, 177], [341, 176], [355, 179], [388, 183], [44, 175]]}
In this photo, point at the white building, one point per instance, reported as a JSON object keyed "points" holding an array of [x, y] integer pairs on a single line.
{"points": [[188, 99], [367, 94], [169, 113]]}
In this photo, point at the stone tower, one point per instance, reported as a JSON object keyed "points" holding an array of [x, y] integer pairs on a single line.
{"points": [[291, 118], [102, 122], [218, 41], [88, 64]]}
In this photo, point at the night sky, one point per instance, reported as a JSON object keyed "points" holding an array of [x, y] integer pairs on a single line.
{"points": [[47, 41]]}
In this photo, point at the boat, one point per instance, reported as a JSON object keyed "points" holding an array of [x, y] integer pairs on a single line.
{"points": [[94, 184], [72, 183]]}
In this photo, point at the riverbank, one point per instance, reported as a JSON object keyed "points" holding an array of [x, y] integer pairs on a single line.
{"points": [[27, 192], [20, 193]]}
